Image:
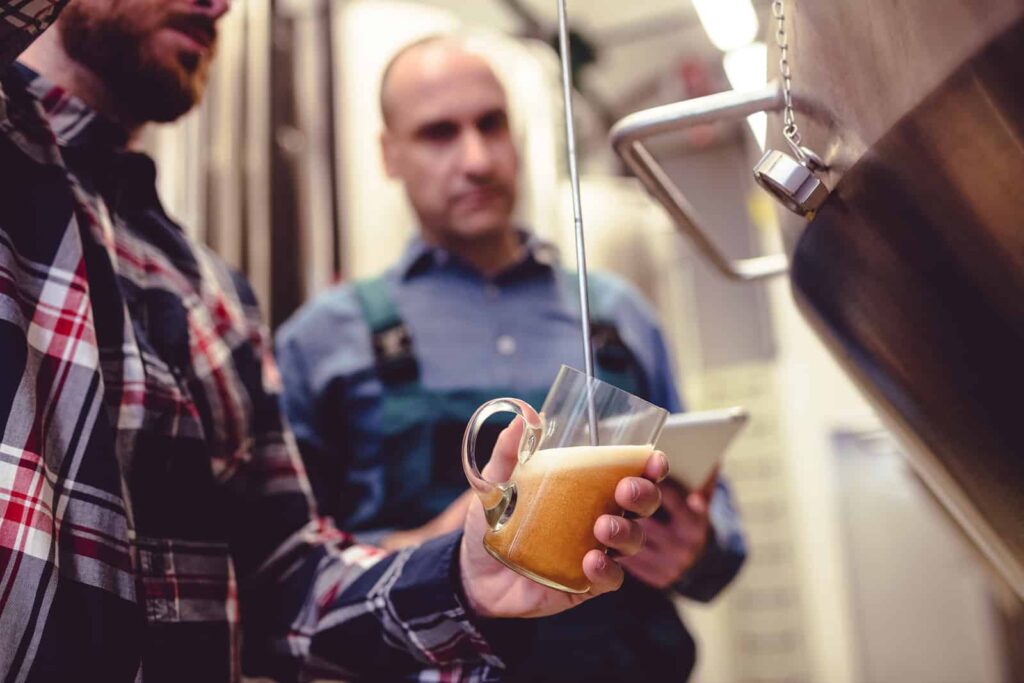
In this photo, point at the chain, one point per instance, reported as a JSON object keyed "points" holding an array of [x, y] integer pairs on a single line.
{"points": [[789, 120]]}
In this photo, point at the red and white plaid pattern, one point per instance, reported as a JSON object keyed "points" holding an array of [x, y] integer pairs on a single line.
{"points": [[152, 504]]}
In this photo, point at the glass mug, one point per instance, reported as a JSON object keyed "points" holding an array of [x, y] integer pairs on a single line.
{"points": [[542, 519]]}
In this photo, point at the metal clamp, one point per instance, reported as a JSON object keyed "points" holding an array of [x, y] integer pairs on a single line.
{"points": [[793, 183], [627, 139]]}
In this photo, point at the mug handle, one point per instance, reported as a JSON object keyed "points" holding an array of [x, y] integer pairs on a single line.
{"points": [[497, 497]]}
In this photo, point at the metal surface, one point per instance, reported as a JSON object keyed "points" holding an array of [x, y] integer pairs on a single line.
{"points": [[792, 183], [257, 151], [627, 138], [913, 273]]}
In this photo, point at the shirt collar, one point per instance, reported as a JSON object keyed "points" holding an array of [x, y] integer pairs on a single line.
{"points": [[22, 22], [72, 121], [420, 257]]}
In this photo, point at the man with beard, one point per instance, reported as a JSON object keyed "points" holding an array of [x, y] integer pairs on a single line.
{"points": [[485, 311], [155, 520]]}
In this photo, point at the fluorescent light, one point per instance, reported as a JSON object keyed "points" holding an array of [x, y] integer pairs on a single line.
{"points": [[729, 23], [747, 69]]}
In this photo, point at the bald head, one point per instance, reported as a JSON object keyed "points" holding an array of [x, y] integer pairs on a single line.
{"points": [[446, 137], [435, 57]]}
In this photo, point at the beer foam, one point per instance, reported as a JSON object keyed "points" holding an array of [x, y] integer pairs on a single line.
{"points": [[549, 460], [561, 493]]}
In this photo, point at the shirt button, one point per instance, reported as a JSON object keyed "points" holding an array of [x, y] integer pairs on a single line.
{"points": [[506, 345]]}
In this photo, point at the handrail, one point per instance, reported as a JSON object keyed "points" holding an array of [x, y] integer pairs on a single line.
{"points": [[627, 138]]}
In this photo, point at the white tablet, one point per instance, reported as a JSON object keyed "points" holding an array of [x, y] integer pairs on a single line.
{"points": [[695, 442]]}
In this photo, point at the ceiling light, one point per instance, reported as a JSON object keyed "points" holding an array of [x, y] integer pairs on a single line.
{"points": [[747, 69], [729, 23]]}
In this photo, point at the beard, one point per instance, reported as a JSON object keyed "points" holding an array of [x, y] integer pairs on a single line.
{"points": [[115, 44]]}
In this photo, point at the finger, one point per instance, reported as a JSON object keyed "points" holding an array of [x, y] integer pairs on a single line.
{"points": [[505, 453], [700, 501], [604, 573], [656, 468], [646, 577], [671, 558], [673, 498], [697, 504], [690, 538], [711, 485], [657, 535], [648, 569], [673, 540], [639, 496], [619, 534]]}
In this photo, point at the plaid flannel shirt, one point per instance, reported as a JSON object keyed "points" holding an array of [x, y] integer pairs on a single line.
{"points": [[155, 520]]}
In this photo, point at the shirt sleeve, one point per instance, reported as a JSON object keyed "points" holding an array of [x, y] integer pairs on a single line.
{"points": [[310, 597], [326, 358], [21, 22], [724, 554]]}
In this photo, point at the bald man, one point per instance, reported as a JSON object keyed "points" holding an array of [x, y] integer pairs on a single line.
{"points": [[382, 375]]}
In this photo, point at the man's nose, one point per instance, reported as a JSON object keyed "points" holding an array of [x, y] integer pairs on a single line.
{"points": [[476, 154], [214, 9]]}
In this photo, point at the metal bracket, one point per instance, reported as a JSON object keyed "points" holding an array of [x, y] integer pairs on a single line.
{"points": [[794, 184], [627, 138]]}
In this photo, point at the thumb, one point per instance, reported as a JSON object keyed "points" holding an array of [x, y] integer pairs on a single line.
{"points": [[707, 490], [700, 500], [697, 503], [506, 452]]}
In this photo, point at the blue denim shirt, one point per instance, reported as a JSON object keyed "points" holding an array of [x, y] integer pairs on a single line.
{"points": [[511, 331]]}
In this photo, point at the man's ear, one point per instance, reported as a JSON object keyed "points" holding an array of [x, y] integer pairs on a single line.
{"points": [[389, 153]]}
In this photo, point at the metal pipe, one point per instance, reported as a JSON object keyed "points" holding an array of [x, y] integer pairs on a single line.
{"points": [[627, 138], [577, 211]]}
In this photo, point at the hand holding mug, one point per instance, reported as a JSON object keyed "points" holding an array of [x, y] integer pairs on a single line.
{"points": [[554, 492], [494, 590]]}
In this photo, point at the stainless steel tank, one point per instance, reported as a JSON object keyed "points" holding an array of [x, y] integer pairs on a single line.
{"points": [[912, 271]]}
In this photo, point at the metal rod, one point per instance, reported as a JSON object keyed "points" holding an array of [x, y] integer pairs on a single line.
{"points": [[628, 135], [577, 212]]}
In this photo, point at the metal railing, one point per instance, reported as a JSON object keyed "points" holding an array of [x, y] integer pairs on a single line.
{"points": [[627, 138]]}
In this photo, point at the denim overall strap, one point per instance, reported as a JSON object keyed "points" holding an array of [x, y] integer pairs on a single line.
{"points": [[406, 413], [421, 430]]}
